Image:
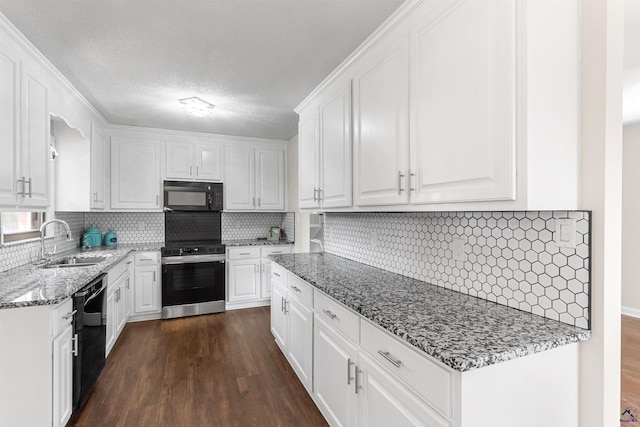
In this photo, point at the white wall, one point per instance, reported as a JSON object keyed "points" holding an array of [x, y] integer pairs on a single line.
{"points": [[631, 221], [302, 218]]}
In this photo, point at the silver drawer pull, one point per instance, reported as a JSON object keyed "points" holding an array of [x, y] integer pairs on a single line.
{"points": [[75, 343], [245, 253], [295, 288], [69, 315], [330, 314], [386, 355], [276, 274], [276, 252]]}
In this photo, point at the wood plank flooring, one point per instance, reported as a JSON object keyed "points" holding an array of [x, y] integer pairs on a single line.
{"points": [[214, 370], [630, 365]]}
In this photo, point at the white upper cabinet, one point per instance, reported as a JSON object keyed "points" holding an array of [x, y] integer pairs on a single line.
{"points": [[325, 148], [381, 124], [255, 178], [456, 105], [135, 174], [98, 168], [462, 103], [24, 129], [9, 122], [194, 160]]}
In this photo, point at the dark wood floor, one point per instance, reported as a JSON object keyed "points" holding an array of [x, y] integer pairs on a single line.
{"points": [[630, 368], [215, 370]]}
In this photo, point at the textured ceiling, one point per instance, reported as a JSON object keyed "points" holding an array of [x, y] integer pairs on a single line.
{"points": [[254, 59]]}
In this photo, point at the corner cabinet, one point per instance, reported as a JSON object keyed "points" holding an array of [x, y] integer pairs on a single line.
{"points": [[24, 130], [135, 174], [255, 178], [194, 159]]}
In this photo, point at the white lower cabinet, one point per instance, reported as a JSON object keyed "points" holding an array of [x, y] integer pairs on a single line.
{"points": [[292, 324], [118, 296], [63, 354], [249, 275], [147, 302]]}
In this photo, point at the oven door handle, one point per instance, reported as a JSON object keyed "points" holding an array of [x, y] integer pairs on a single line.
{"points": [[192, 259]]}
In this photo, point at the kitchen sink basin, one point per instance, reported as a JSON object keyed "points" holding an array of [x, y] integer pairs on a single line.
{"points": [[76, 262]]}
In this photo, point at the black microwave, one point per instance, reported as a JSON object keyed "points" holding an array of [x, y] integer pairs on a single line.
{"points": [[192, 196]]}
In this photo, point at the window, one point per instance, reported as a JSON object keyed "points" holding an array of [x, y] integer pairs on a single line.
{"points": [[18, 226]]}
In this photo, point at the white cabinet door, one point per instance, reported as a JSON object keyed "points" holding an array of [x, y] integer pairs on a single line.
{"points": [[121, 304], [385, 402], [308, 160], [147, 290], [335, 149], [34, 144], [270, 185], [98, 168], [300, 340], [62, 377], [463, 102], [208, 162], [334, 370], [278, 316], [135, 174], [179, 164], [381, 125], [9, 124], [127, 291], [244, 280], [239, 192], [265, 279], [112, 322]]}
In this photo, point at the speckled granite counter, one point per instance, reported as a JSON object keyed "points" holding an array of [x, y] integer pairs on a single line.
{"points": [[459, 330], [31, 284], [256, 242]]}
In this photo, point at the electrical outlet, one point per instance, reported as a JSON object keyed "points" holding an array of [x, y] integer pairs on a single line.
{"points": [[565, 235], [458, 249]]}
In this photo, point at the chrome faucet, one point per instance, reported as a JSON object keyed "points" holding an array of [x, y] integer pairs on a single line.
{"points": [[42, 229]]}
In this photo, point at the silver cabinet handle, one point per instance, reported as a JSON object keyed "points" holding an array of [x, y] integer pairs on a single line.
{"points": [[74, 348], [276, 252], [349, 377], [314, 195], [285, 306], [21, 185], [259, 202], [245, 253], [25, 183], [276, 274], [95, 197], [69, 315], [128, 283], [154, 276], [411, 175], [190, 170], [129, 262], [281, 303], [157, 200], [197, 171], [400, 177], [330, 314], [387, 355], [254, 202], [295, 288], [319, 194], [357, 385]]}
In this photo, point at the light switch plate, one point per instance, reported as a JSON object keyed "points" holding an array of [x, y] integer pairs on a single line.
{"points": [[565, 235]]}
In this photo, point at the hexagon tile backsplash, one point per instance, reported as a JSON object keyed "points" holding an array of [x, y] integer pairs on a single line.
{"points": [[510, 258]]}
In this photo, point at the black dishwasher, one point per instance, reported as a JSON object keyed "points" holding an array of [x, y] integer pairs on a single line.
{"points": [[90, 338]]}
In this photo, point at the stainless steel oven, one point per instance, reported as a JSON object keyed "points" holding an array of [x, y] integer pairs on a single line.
{"points": [[192, 284]]}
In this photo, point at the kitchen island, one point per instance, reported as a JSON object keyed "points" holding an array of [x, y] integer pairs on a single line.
{"points": [[487, 364]]}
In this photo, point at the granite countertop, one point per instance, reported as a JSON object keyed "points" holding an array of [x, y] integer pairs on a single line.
{"points": [[256, 242], [461, 331], [31, 284]]}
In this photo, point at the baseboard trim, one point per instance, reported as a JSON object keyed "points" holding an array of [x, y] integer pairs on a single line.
{"points": [[633, 312], [252, 304]]}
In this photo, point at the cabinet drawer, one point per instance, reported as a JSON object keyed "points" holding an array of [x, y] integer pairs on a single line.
{"points": [[337, 315], [425, 377], [147, 258], [275, 250], [61, 316], [301, 289], [278, 274], [243, 253]]}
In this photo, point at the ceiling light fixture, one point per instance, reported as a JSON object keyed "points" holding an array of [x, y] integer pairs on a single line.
{"points": [[197, 106]]}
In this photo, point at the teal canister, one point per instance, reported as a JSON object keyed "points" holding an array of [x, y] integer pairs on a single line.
{"points": [[111, 238], [94, 235]]}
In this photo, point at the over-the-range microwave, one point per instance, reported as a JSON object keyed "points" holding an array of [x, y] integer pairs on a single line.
{"points": [[192, 196]]}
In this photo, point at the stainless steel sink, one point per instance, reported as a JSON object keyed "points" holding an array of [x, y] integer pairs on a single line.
{"points": [[76, 262]]}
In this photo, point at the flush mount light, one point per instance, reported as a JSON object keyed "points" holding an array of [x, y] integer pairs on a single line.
{"points": [[197, 106]]}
